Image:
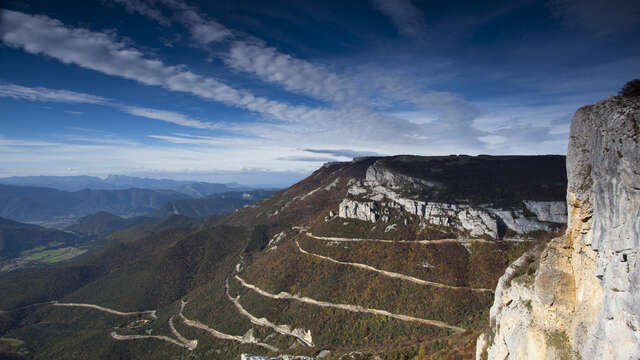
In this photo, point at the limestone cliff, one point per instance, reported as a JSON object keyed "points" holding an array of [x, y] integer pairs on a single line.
{"points": [[372, 198], [583, 301]]}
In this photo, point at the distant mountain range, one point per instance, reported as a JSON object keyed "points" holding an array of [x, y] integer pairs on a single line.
{"points": [[121, 182], [38, 204], [56, 208], [211, 205], [102, 223]]}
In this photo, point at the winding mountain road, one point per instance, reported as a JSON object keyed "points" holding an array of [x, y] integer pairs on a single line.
{"points": [[157, 337], [182, 341], [300, 334], [392, 274], [221, 335], [192, 344], [424, 242], [151, 313], [353, 308]]}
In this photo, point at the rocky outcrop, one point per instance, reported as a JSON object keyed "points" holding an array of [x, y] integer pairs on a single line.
{"points": [[366, 211], [371, 199], [551, 211], [584, 301]]}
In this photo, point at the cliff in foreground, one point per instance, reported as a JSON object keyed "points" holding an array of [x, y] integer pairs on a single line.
{"points": [[579, 296]]}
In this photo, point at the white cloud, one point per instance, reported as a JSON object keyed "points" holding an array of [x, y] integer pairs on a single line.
{"points": [[48, 95], [294, 74], [168, 116], [43, 94], [145, 8], [203, 30], [28, 143], [493, 139], [208, 140], [102, 52], [408, 19]]}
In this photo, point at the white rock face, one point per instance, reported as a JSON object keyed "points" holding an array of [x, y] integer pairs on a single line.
{"points": [[551, 211], [516, 221], [381, 175], [585, 300], [381, 185], [366, 211], [478, 222]]}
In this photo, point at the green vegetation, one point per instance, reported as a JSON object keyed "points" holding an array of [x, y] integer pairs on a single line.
{"points": [[54, 256], [12, 342], [16, 238]]}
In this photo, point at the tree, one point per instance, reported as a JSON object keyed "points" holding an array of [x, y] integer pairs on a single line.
{"points": [[630, 89]]}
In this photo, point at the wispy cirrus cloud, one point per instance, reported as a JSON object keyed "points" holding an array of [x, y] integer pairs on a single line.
{"points": [[168, 116], [186, 139], [203, 30], [315, 159], [347, 153], [293, 74], [408, 19], [25, 143], [42, 94], [49, 95], [102, 52]]}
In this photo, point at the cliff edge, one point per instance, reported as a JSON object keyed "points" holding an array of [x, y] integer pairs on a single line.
{"points": [[579, 296]]}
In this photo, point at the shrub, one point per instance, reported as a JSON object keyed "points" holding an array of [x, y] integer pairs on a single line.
{"points": [[630, 89]]}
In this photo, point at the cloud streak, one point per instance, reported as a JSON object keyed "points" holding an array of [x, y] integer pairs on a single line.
{"points": [[343, 152], [408, 19], [42, 94], [102, 52], [202, 29], [48, 95], [168, 116], [295, 75]]}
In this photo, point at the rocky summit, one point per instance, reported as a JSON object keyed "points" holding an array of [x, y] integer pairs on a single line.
{"points": [[580, 297]]}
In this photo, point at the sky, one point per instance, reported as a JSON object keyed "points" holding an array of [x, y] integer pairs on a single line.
{"points": [[265, 92]]}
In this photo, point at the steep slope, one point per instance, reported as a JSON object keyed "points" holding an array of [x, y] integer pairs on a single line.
{"points": [[39, 204], [583, 300], [290, 275]]}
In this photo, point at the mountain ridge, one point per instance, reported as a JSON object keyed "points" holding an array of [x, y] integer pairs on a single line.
{"points": [[274, 259]]}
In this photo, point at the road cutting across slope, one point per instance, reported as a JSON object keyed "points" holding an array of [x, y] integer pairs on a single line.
{"points": [[151, 313], [423, 242], [392, 274], [353, 308], [181, 340], [300, 334], [192, 344], [221, 335], [157, 337]]}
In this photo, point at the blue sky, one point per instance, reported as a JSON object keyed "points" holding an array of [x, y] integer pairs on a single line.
{"points": [[265, 92]]}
